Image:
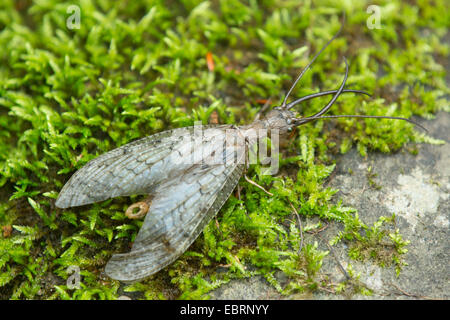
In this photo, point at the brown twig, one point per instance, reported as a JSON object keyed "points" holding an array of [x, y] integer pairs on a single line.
{"points": [[412, 294]]}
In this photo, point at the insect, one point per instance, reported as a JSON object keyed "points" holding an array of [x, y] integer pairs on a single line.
{"points": [[183, 195]]}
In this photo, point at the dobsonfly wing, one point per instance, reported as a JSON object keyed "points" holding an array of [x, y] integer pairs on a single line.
{"points": [[178, 213], [134, 168], [185, 194]]}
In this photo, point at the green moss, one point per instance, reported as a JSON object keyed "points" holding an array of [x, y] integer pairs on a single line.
{"points": [[136, 68], [381, 245]]}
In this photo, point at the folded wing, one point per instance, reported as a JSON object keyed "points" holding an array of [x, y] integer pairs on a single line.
{"points": [[135, 168], [179, 211]]}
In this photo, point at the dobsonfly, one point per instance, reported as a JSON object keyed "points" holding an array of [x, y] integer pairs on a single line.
{"points": [[183, 195]]}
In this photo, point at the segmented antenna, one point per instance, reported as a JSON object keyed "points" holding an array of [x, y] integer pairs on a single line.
{"points": [[319, 114], [357, 116], [332, 101], [283, 105], [322, 93]]}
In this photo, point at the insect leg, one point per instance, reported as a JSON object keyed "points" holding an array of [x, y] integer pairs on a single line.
{"points": [[257, 185], [263, 109], [246, 167], [218, 226], [300, 227], [242, 205]]}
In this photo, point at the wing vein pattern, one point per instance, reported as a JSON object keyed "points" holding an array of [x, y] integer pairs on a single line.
{"points": [[135, 168], [178, 213], [185, 195]]}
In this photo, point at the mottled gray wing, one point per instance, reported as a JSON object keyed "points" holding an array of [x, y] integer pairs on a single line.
{"points": [[178, 213], [135, 168]]}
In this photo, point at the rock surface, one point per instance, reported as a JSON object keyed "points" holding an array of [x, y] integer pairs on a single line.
{"points": [[415, 188]]}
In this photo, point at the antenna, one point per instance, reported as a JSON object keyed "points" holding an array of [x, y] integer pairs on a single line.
{"points": [[283, 105]]}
